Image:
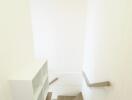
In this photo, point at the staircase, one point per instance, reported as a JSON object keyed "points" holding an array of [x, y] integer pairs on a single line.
{"points": [[61, 97]]}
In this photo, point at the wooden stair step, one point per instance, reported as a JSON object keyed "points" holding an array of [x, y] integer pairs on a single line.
{"points": [[49, 96], [66, 97], [79, 97]]}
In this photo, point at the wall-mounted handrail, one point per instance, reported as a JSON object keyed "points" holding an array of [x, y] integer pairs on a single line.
{"points": [[54, 80], [98, 84]]}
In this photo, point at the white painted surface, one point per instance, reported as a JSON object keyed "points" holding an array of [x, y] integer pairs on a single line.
{"points": [[68, 84], [58, 27], [16, 48], [30, 70], [108, 50], [30, 83]]}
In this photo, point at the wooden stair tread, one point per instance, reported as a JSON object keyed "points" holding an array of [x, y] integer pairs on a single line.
{"points": [[65, 97], [49, 96], [79, 97]]}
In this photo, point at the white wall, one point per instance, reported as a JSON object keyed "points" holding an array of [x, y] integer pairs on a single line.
{"points": [[58, 33], [16, 47], [58, 27], [108, 49]]}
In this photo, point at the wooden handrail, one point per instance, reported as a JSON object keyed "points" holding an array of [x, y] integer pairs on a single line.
{"points": [[53, 81], [99, 84]]}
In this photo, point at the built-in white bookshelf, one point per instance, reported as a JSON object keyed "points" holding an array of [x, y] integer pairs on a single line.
{"points": [[31, 83]]}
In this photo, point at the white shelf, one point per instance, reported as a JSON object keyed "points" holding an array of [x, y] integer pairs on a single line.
{"points": [[39, 79], [31, 83], [29, 71], [40, 89]]}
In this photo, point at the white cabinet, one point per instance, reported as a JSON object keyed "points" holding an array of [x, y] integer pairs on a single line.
{"points": [[31, 83]]}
